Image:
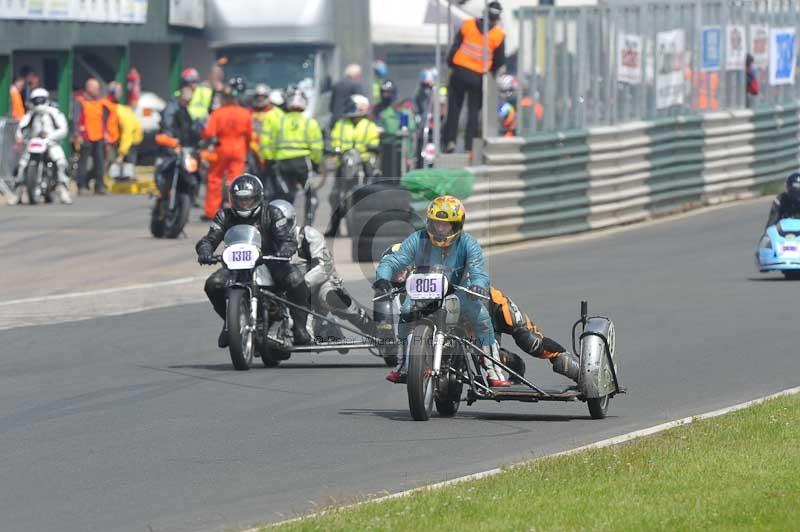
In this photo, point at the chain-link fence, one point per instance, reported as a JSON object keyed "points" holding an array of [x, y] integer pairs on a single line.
{"points": [[8, 155], [604, 65]]}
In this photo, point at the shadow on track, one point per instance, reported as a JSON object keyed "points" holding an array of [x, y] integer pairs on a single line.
{"points": [[404, 415]]}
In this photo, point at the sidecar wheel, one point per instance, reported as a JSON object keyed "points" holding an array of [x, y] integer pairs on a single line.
{"points": [[598, 407]]}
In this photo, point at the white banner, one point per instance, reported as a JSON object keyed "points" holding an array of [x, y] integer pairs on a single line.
{"points": [[670, 46], [187, 13], [759, 46], [735, 52], [107, 11], [782, 55], [629, 58]]}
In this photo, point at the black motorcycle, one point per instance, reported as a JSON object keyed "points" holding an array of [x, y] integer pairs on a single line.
{"points": [[176, 178], [352, 173]]}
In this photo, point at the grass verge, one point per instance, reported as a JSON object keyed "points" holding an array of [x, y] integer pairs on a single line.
{"points": [[736, 472]]}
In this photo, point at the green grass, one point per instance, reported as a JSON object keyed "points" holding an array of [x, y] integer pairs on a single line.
{"points": [[736, 472]]}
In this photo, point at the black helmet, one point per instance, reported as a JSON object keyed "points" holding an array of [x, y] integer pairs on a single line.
{"points": [[247, 196], [793, 187], [495, 10], [388, 91]]}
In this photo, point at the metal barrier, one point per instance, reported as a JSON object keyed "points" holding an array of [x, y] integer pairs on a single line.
{"points": [[556, 184], [8, 154], [605, 65]]}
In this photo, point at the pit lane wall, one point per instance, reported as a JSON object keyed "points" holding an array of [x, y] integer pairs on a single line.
{"points": [[555, 184]]}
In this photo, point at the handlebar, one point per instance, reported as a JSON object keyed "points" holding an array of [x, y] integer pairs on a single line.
{"points": [[217, 259], [470, 292], [396, 291]]}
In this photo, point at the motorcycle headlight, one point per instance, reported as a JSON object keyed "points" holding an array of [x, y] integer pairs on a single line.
{"points": [[190, 163]]}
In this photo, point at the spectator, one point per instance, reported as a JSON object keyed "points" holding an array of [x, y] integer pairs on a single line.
{"points": [[343, 90], [31, 82], [467, 68], [206, 96], [16, 99], [91, 120], [751, 89], [113, 92], [380, 73], [130, 134], [134, 86]]}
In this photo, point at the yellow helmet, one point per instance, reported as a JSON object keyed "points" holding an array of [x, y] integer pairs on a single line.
{"points": [[445, 220]]}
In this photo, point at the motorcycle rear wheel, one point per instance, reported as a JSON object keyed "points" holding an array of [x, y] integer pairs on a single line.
{"points": [[420, 385], [241, 338]]}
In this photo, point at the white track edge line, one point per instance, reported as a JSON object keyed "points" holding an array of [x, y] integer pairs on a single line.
{"points": [[104, 291], [616, 440]]}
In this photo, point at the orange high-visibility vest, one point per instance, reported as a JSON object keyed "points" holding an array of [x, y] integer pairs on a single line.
{"points": [[470, 54]]}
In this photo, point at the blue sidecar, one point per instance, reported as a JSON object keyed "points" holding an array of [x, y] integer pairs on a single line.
{"points": [[779, 249]]}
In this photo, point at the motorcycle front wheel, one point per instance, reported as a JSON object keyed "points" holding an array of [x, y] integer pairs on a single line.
{"points": [[32, 183], [241, 336], [420, 386]]}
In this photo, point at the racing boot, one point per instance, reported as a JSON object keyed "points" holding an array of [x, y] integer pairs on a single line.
{"points": [[494, 375], [63, 194], [222, 341], [399, 374], [358, 318], [16, 196], [566, 364]]}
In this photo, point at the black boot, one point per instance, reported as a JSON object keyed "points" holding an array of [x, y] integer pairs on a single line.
{"points": [[568, 365], [358, 318], [222, 341], [336, 219]]}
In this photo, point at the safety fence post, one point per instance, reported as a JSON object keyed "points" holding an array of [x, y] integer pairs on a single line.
{"points": [[66, 59], [175, 65], [5, 84], [123, 66]]}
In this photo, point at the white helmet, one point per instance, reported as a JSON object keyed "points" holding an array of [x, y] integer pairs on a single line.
{"points": [[359, 106], [297, 101], [40, 98], [276, 98], [261, 95]]}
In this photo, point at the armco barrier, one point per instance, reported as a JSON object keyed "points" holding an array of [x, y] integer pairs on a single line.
{"points": [[607, 176], [8, 157]]}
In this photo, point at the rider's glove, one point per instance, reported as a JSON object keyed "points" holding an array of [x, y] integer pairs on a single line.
{"points": [[481, 291], [382, 287], [205, 257], [286, 250]]}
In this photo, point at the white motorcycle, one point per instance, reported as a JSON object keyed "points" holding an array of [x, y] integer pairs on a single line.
{"points": [[41, 174]]}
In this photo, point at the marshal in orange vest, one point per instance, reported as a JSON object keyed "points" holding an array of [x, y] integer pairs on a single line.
{"points": [[470, 54]]}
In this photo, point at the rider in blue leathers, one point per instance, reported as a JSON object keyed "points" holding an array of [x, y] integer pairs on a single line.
{"points": [[444, 242]]}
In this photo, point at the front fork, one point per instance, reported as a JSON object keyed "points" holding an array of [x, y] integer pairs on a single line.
{"points": [[438, 347]]}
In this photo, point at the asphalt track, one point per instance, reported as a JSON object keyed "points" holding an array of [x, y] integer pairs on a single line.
{"points": [[137, 422]]}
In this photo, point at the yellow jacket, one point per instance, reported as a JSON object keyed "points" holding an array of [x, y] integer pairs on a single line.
{"points": [[270, 120], [362, 136], [293, 135], [130, 130]]}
